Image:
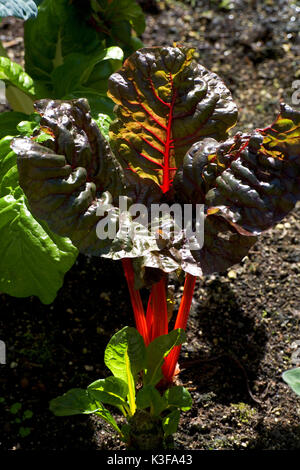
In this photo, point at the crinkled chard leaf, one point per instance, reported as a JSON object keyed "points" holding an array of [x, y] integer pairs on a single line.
{"points": [[69, 177], [78, 137], [61, 186], [170, 114], [166, 102], [252, 181], [247, 184]]}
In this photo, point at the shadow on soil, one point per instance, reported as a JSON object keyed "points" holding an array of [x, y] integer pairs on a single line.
{"points": [[233, 342]]}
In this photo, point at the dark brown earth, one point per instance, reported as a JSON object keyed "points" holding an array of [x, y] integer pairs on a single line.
{"points": [[244, 326]]}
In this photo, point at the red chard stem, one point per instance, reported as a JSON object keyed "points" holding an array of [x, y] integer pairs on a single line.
{"points": [[136, 301], [181, 322]]}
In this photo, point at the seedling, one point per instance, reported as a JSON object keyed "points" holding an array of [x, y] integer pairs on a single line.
{"points": [[151, 417]]}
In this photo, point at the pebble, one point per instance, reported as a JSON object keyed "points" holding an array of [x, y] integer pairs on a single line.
{"points": [[232, 274]]}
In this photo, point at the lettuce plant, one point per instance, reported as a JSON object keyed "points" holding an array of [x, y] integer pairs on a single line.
{"points": [[71, 48], [151, 417], [168, 144]]}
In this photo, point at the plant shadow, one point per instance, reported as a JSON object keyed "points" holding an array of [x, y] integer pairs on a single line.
{"points": [[227, 346], [278, 437]]}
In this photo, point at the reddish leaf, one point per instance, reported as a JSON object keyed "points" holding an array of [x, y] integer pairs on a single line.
{"points": [[166, 102]]}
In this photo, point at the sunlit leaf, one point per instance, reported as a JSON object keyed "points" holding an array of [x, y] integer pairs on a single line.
{"points": [[166, 102]]}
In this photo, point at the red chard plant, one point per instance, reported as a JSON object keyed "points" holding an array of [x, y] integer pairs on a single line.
{"points": [[168, 145]]}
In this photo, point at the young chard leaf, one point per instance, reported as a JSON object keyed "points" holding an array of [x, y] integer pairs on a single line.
{"points": [[125, 356], [79, 401], [178, 397], [106, 416], [157, 350], [112, 391], [126, 342], [74, 401], [149, 397], [166, 102], [170, 422]]}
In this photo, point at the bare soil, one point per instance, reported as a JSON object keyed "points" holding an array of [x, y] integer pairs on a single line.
{"points": [[244, 326]]}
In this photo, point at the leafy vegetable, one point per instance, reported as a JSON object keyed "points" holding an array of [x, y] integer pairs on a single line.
{"points": [[9, 121], [69, 55], [124, 356], [20, 88], [241, 182], [150, 414], [178, 397], [164, 148], [149, 397], [112, 391], [27, 245], [160, 113]]}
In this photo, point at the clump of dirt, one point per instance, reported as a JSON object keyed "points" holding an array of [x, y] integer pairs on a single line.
{"points": [[244, 326]]}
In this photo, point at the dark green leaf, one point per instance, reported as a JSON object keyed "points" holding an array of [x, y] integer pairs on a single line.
{"points": [[179, 397], [58, 30], [129, 10], [170, 422], [149, 397], [157, 351], [75, 401], [9, 121], [77, 69], [79, 401]]}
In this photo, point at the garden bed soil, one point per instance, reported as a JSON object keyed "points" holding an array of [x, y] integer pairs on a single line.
{"points": [[243, 330]]}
